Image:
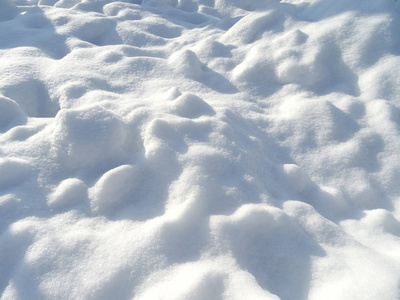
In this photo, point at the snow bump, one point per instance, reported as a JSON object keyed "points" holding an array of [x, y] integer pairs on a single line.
{"points": [[88, 136], [191, 106]]}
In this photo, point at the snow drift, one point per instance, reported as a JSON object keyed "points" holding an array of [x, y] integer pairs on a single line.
{"points": [[199, 149]]}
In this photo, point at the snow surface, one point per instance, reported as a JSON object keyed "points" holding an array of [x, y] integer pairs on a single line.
{"points": [[200, 149]]}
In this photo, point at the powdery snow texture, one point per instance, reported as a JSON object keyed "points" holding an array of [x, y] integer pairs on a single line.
{"points": [[199, 149]]}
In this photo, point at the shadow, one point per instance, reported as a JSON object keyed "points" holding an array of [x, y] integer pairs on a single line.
{"points": [[8, 10], [281, 265], [31, 28], [344, 125], [13, 267], [217, 82], [316, 11], [148, 200], [192, 18], [183, 244], [32, 97], [96, 30], [369, 152], [345, 80], [27, 199], [274, 249]]}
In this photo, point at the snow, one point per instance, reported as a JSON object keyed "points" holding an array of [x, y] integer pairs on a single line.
{"points": [[199, 149]]}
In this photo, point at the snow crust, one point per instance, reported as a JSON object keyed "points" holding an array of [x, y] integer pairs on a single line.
{"points": [[199, 149]]}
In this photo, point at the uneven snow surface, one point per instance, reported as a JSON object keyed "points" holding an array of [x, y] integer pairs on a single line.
{"points": [[200, 149]]}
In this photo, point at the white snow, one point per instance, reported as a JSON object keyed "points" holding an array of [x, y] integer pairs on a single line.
{"points": [[200, 149]]}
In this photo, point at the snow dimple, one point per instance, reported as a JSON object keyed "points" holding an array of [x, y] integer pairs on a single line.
{"points": [[199, 149]]}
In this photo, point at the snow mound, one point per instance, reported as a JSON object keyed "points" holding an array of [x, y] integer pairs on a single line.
{"points": [[113, 188], [88, 136], [67, 193], [191, 106]]}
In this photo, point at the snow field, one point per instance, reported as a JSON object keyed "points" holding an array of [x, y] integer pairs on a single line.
{"points": [[197, 149]]}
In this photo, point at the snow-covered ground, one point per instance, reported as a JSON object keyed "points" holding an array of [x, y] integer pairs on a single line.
{"points": [[200, 149]]}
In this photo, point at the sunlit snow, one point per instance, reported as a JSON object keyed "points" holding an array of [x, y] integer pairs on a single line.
{"points": [[200, 149]]}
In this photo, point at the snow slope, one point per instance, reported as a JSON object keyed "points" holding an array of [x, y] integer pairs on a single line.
{"points": [[199, 149]]}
